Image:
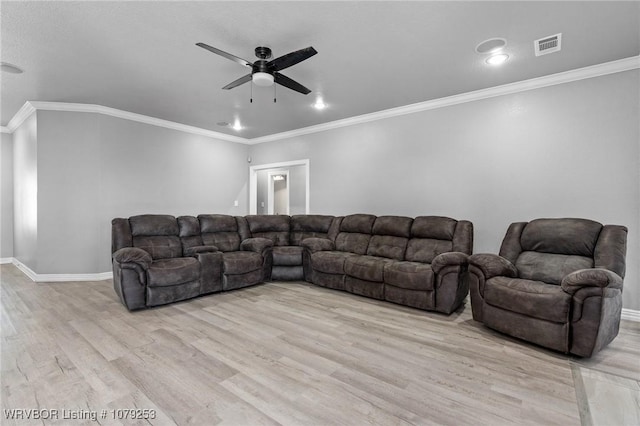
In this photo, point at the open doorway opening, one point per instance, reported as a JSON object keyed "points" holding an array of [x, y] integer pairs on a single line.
{"points": [[278, 192], [288, 194]]}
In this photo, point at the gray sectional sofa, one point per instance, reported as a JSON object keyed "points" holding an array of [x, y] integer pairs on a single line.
{"points": [[421, 262]]}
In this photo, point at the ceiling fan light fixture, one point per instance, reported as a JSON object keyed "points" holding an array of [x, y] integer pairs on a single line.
{"points": [[263, 79]]}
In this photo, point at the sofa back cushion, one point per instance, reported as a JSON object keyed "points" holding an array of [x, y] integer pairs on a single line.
{"points": [[553, 248], [308, 226], [355, 233], [273, 227], [430, 236], [157, 235], [390, 237], [219, 230]]}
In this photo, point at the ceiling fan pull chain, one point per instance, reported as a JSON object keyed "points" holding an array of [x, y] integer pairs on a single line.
{"points": [[274, 93], [251, 99]]}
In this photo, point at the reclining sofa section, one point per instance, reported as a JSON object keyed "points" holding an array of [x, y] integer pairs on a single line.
{"points": [[421, 262]]}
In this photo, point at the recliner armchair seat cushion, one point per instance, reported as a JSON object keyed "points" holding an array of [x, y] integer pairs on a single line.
{"points": [[240, 262], [287, 255], [409, 275], [548, 267], [330, 262], [168, 272], [368, 268], [531, 298]]}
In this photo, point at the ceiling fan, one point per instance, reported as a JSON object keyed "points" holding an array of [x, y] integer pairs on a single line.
{"points": [[265, 73]]}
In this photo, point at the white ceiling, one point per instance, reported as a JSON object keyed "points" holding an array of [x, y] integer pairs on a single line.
{"points": [[141, 56]]}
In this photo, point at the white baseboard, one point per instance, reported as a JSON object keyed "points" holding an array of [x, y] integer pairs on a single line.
{"points": [[630, 315], [4, 260], [41, 278]]}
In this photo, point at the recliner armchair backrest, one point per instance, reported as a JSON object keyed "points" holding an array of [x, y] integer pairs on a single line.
{"points": [[549, 249], [158, 235], [390, 237], [220, 230]]}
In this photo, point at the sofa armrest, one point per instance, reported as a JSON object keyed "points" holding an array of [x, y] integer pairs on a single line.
{"points": [[452, 258], [257, 244], [193, 251], [315, 244], [493, 265], [133, 255], [592, 277]]}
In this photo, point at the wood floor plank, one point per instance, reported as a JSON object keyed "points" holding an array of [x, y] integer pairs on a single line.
{"points": [[292, 354]]}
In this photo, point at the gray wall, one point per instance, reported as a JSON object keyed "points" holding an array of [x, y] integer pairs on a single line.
{"points": [[25, 192], [92, 168], [569, 150], [6, 196], [297, 190]]}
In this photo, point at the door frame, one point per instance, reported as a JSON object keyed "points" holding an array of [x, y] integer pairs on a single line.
{"points": [[253, 182]]}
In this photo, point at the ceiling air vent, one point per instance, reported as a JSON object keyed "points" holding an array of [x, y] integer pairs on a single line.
{"points": [[548, 44]]}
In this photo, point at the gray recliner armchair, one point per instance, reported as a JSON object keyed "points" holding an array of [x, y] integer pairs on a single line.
{"points": [[556, 283]]}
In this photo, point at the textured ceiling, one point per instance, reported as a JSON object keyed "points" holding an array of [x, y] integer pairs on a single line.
{"points": [[141, 56]]}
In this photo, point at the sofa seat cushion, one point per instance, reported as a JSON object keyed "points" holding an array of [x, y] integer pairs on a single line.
{"points": [[330, 262], [368, 268], [287, 255], [535, 299], [240, 262], [179, 270], [409, 275]]}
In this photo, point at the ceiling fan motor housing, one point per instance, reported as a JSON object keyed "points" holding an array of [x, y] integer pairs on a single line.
{"points": [[263, 52]]}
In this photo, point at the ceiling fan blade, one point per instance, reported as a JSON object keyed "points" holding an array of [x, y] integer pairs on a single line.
{"points": [[238, 82], [290, 59], [291, 84], [225, 54]]}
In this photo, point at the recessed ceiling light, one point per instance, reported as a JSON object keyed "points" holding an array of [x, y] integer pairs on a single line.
{"points": [[236, 125], [10, 68], [320, 105], [497, 59], [491, 46]]}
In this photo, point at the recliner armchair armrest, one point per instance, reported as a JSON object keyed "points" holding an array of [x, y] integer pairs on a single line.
{"points": [[591, 277], [133, 255], [452, 258], [257, 244], [315, 244], [493, 265], [193, 251]]}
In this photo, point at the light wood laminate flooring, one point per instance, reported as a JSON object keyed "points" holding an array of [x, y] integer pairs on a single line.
{"points": [[290, 354]]}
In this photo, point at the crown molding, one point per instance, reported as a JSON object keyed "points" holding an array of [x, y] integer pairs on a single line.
{"points": [[606, 68], [19, 117], [113, 112]]}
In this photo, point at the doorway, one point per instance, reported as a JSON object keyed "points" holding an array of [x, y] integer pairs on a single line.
{"points": [[278, 192], [265, 192]]}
